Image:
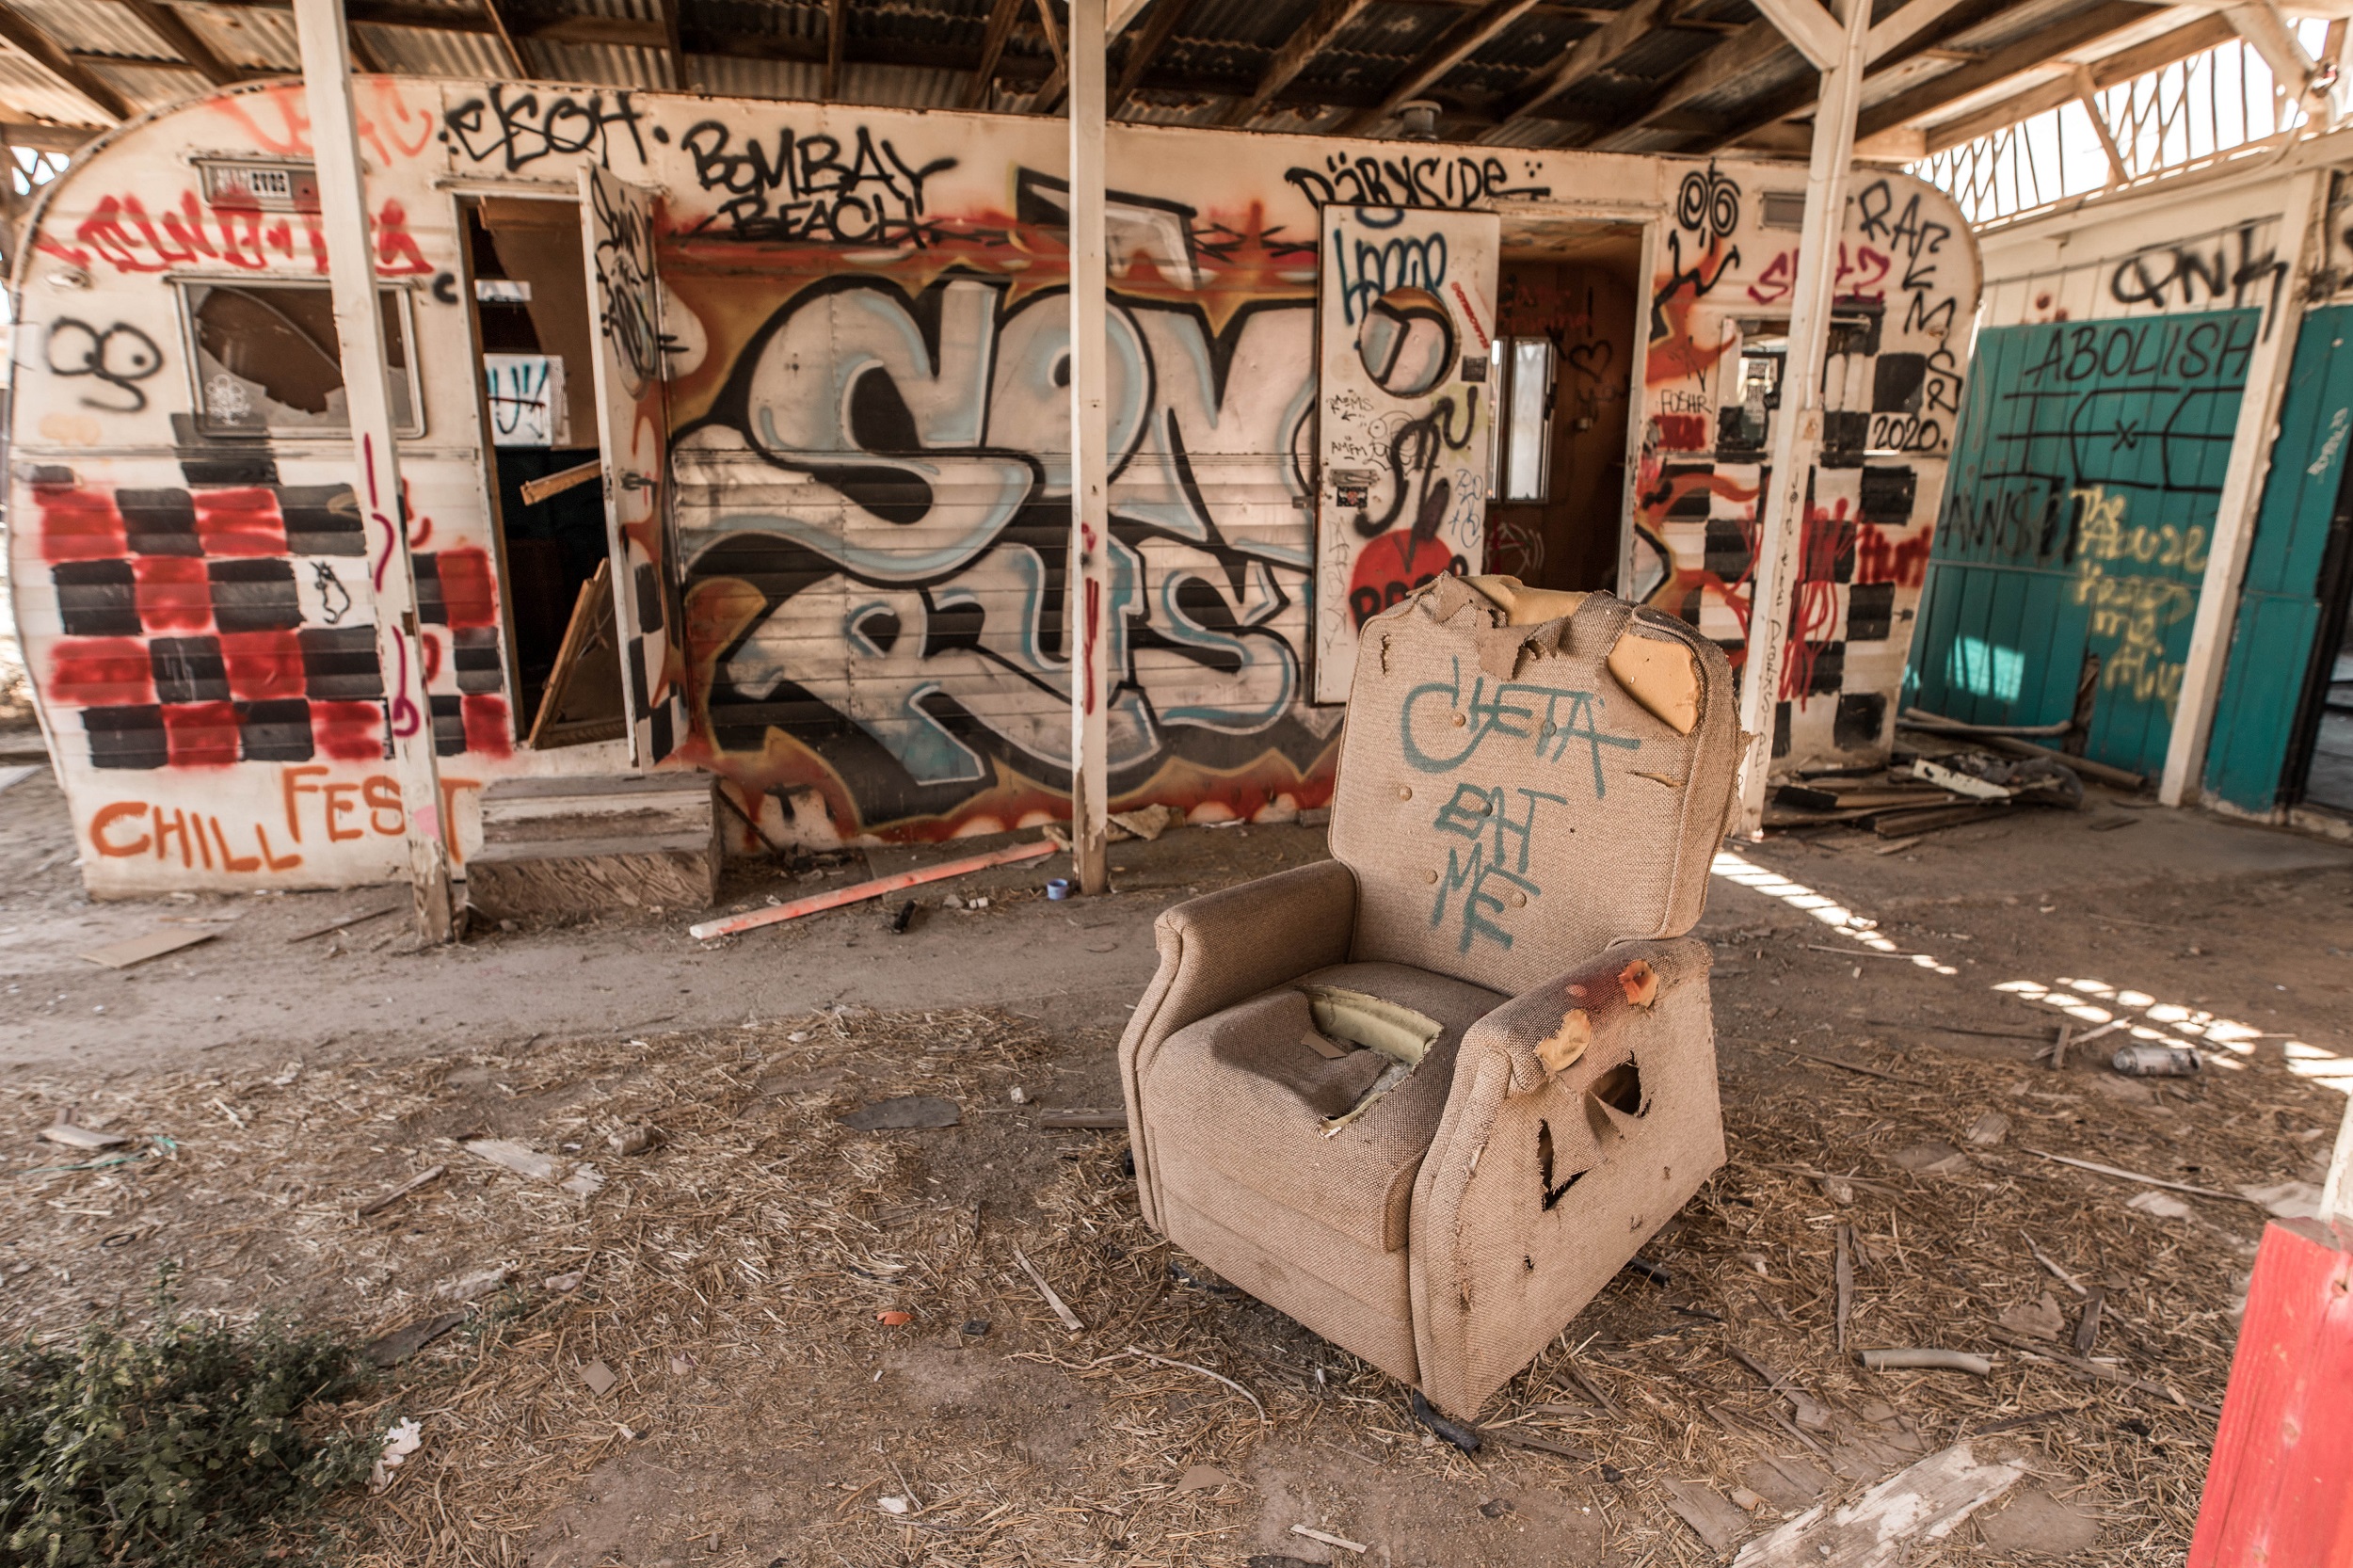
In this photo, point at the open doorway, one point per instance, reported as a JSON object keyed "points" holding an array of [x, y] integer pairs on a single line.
{"points": [[2320, 755], [1564, 366], [532, 335]]}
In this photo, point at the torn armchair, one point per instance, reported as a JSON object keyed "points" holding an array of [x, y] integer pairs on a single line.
{"points": [[1427, 1096]]}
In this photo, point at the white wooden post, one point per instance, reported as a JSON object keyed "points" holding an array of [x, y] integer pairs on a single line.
{"points": [[367, 394], [1087, 607], [2242, 496], [1798, 433]]}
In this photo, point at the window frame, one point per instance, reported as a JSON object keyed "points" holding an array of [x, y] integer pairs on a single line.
{"points": [[402, 294]]}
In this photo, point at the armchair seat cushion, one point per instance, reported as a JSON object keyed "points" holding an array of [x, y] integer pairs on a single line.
{"points": [[1247, 1094]]}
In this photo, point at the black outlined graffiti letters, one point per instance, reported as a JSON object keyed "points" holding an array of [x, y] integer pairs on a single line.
{"points": [[812, 188], [518, 129]]}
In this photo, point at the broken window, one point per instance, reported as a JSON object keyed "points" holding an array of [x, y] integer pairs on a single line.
{"points": [[267, 361]]}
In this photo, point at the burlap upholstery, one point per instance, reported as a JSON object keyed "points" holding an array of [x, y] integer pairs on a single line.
{"points": [[1512, 830]]}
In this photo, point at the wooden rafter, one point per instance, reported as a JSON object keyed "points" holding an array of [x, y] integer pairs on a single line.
{"points": [[1330, 17], [1001, 16], [2166, 49], [495, 10], [1464, 39], [1736, 57], [1590, 53], [2029, 54], [21, 30], [836, 43], [170, 26], [673, 46], [1928, 40], [1160, 25]]}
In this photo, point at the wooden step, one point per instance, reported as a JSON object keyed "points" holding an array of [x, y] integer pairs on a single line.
{"points": [[575, 847]]}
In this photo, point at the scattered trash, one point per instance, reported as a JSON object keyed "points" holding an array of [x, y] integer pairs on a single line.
{"points": [[586, 1181], [682, 1365], [1925, 1501], [518, 1157], [599, 1377], [860, 892], [474, 1286], [1017, 1094], [1462, 1437], [2134, 1176], [1495, 1508], [633, 1139], [2164, 1208], [900, 919], [904, 1111], [895, 1505], [1058, 888], [1989, 1129], [401, 1439], [1342, 1541], [1204, 1478], [347, 922], [434, 1173], [2150, 1060], [1711, 1518], [2286, 1200], [1649, 1270], [2039, 1318], [1069, 1319], [82, 1137], [1928, 1360], [1094, 1120], [564, 1285], [974, 1327], [138, 950], [894, 1320], [1148, 821], [402, 1343]]}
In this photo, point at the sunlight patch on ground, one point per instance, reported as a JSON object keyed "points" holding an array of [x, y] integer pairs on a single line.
{"points": [[1841, 919]]}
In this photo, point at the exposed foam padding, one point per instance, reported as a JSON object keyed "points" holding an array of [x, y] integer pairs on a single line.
{"points": [[1661, 675]]}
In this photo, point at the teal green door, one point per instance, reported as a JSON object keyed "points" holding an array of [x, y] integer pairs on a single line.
{"points": [[2278, 610], [2086, 471]]}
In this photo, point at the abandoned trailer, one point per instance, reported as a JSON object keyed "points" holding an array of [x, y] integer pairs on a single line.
{"points": [[804, 805]]}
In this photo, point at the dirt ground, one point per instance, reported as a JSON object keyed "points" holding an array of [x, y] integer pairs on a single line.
{"points": [[739, 1282]]}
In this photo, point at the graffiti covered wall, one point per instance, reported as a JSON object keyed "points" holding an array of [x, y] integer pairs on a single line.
{"points": [[857, 321]]}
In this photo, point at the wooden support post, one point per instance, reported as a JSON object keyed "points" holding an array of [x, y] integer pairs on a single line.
{"points": [[367, 393], [2216, 619], [1798, 433], [1086, 601]]}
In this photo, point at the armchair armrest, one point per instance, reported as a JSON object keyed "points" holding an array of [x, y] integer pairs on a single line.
{"points": [[1550, 1027], [1225, 948]]}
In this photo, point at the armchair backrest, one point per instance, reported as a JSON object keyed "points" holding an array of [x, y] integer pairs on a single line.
{"points": [[1514, 798]]}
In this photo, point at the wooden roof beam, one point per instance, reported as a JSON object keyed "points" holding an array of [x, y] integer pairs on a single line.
{"points": [[2030, 55], [1001, 16], [1461, 41], [673, 46], [1329, 19], [1166, 16], [182, 39], [1593, 52], [1951, 18], [27, 35], [1736, 57], [2166, 49]]}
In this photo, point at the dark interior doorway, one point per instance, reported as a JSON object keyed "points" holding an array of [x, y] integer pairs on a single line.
{"points": [[2320, 757], [531, 313], [1577, 290]]}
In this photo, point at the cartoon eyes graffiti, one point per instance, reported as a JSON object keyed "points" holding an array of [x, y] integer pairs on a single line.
{"points": [[121, 355], [1406, 342]]}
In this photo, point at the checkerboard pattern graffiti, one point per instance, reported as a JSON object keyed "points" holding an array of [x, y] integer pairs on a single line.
{"points": [[213, 624]]}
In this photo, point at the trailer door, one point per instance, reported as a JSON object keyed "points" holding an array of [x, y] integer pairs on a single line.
{"points": [[1404, 318], [634, 431]]}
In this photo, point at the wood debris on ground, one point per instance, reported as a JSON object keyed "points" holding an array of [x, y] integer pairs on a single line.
{"points": [[763, 1280]]}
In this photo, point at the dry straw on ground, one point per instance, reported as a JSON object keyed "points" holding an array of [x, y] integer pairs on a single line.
{"points": [[731, 1277]]}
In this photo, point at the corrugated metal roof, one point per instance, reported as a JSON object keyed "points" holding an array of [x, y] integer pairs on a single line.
{"points": [[922, 53]]}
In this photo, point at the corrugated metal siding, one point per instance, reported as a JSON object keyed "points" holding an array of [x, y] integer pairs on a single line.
{"points": [[94, 28], [247, 35], [429, 52], [606, 64], [34, 93]]}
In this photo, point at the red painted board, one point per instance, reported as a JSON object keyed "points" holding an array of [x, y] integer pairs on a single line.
{"points": [[2279, 1487]]}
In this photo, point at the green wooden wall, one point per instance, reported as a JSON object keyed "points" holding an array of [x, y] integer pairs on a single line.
{"points": [[2278, 613], [2086, 471]]}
